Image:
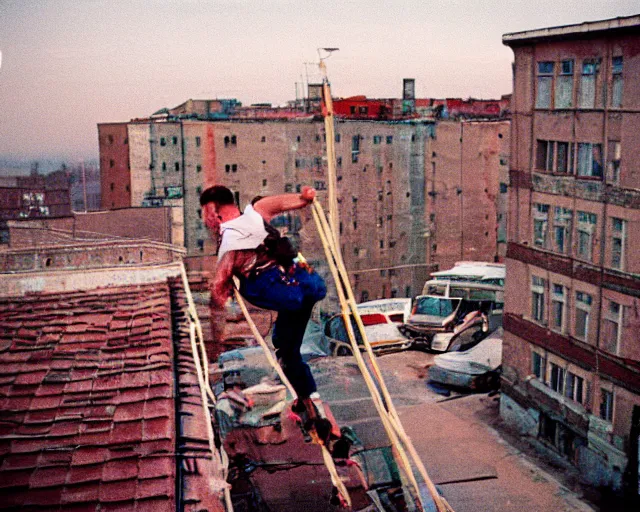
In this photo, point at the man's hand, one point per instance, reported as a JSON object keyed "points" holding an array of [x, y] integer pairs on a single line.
{"points": [[308, 194]]}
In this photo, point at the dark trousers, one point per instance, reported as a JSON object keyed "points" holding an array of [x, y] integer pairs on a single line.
{"points": [[293, 299]]}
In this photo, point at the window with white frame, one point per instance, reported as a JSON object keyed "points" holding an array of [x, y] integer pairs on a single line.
{"points": [[618, 243], [616, 85], [574, 387], [564, 86], [556, 377], [612, 327], [589, 159], [587, 96], [538, 365], [606, 404], [540, 224], [537, 299], [582, 315], [562, 223], [545, 84], [559, 308], [586, 229]]}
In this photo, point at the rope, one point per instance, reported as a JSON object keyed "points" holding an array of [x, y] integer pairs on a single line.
{"points": [[389, 415], [326, 456], [201, 362]]}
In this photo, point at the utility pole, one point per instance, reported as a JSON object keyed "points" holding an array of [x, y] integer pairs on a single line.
{"points": [[329, 128]]}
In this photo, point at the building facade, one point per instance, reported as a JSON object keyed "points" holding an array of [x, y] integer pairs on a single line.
{"points": [[467, 173], [384, 165], [571, 355]]}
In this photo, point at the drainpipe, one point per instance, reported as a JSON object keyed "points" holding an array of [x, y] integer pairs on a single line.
{"points": [[184, 190]]}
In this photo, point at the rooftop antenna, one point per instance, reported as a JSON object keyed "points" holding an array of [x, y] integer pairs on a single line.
{"points": [[329, 128]]}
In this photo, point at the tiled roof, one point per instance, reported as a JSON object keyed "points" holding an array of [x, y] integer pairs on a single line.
{"points": [[87, 400]]}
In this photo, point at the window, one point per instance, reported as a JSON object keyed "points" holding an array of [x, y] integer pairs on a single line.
{"points": [[198, 190], [381, 244], [389, 139], [616, 82], [288, 187], [545, 84], [234, 167], [352, 109], [263, 139], [540, 224], [175, 140], [554, 156], [558, 308], [583, 311], [234, 141], [614, 162], [618, 242], [201, 245], [564, 157], [544, 155], [377, 139], [227, 168], [163, 141], [226, 141], [164, 166], [538, 365], [537, 299], [556, 378], [363, 110], [198, 168], [112, 163], [587, 97], [564, 87], [339, 161], [574, 388], [606, 404], [177, 166], [589, 159], [298, 139], [586, 234], [337, 137], [355, 148], [198, 142], [199, 213], [612, 327], [112, 186], [562, 224], [264, 183]]}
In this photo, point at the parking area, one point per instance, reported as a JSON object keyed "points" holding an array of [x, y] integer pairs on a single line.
{"points": [[458, 437]]}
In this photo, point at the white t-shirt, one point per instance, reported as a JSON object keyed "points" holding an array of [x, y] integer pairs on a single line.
{"points": [[244, 232]]}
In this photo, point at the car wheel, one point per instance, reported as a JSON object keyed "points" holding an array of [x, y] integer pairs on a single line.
{"points": [[343, 351]]}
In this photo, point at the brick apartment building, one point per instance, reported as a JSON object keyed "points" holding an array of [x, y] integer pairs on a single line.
{"points": [[33, 197], [169, 158], [571, 353]]}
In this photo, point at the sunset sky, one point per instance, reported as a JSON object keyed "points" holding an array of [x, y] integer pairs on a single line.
{"points": [[70, 64]]}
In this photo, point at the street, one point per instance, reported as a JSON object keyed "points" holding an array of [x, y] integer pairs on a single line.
{"points": [[469, 460]]}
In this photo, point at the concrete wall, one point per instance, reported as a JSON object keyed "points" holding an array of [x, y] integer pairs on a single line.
{"points": [[465, 208]]}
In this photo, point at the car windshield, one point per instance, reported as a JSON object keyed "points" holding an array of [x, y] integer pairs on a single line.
{"points": [[436, 306]]}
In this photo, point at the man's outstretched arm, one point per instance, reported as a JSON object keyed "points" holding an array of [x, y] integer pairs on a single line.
{"points": [[270, 206]]}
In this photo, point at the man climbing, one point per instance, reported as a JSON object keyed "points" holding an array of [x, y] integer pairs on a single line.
{"points": [[271, 277]]}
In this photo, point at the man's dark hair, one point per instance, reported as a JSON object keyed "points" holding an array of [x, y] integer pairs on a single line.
{"points": [[217, 194]]}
